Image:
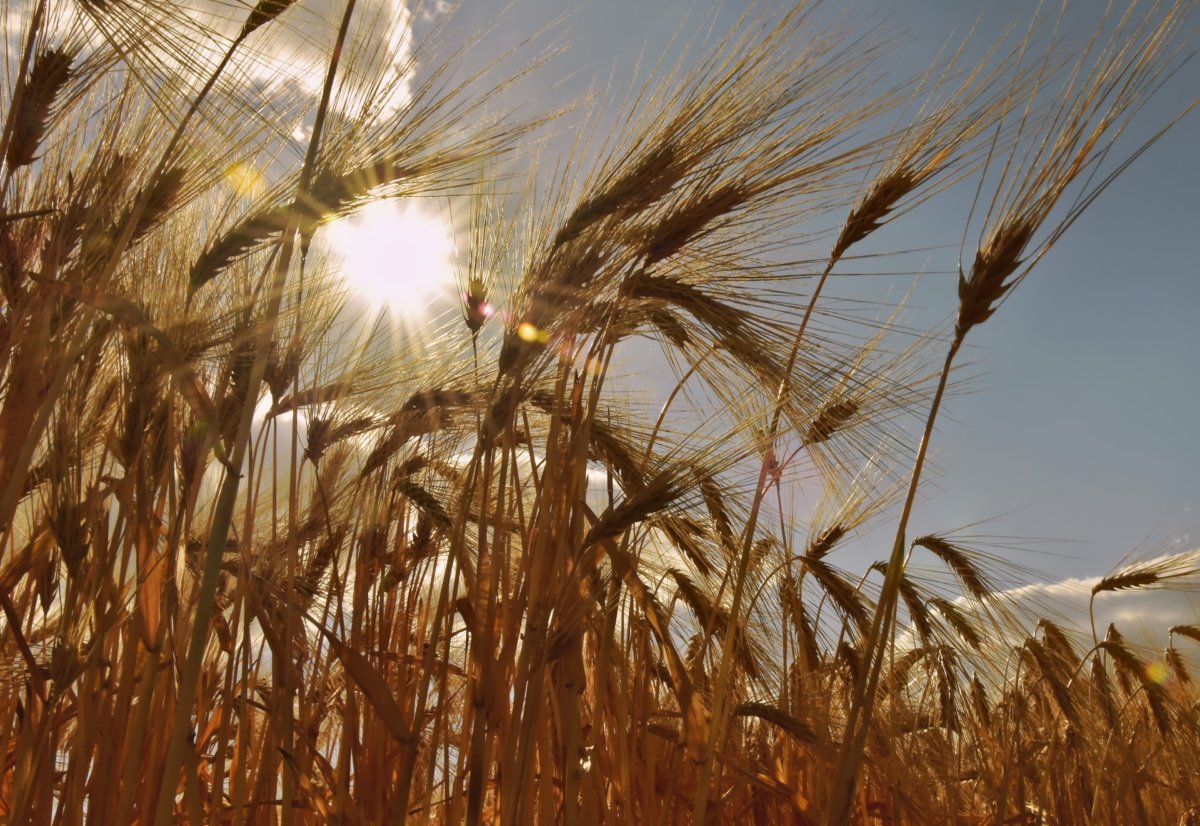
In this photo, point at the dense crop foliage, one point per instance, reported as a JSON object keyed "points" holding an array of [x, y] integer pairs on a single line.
{"points": [[261, 563]]}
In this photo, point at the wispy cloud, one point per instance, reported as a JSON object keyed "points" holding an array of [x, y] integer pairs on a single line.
{"points": [[1142, 614], [285, 59]]}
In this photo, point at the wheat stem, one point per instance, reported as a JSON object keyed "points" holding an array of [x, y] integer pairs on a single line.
{"points": [[227, 497], [862, 699]]}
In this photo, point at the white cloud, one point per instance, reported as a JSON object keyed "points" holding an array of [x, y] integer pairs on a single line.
{"points": [[1142, 615], [290, 54], [293, 52]]}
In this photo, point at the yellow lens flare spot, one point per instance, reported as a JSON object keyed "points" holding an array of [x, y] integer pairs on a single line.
{"points": [[1157, 673], [531, 333], [395, 255], [245, 180]]}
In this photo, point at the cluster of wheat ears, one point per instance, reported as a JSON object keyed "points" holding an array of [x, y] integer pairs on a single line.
{"points": [[261, 566]]}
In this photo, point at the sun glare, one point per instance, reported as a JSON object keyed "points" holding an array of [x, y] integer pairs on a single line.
{"points": [[394, 255]]}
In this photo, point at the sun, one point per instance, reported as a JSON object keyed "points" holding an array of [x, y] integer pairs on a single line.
{"points": [[394, 255]]}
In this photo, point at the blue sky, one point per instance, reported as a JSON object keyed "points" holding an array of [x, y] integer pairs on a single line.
{"points": [[1080, 429]]}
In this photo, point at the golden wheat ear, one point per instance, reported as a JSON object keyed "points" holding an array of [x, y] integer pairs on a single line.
{"points": [[49, 75], [263, 13], [969, 573]]}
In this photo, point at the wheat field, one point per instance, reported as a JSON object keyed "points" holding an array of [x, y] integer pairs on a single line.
{"points": [[266, 560]]}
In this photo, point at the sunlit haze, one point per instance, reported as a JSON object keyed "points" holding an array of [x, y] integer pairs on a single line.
{"points": [[394, 255]]}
